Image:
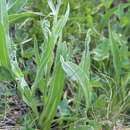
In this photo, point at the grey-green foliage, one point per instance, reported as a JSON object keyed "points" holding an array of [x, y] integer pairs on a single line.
{"points": [[102, 51], [115, 53], [58, 77], [105, 68], [8, 59], [44, 63], [81, 73]]}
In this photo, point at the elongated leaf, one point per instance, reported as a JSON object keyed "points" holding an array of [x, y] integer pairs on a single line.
{"points": [[52, 7], [57, 28], [85, 61], [4, 36], [9, 63], [57, 87], [76, 73], [4, 58], [106, 17], [17, 6], [4, 16], [37, 55], [45, 58], [126, 80], [23, 87], [115, 54], [13, 18]]}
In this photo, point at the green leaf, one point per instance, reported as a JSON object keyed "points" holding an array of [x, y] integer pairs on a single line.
{"points": [[47, 56], [77, 74], [17, 6], [4, 36], [115, 53], [101, 52], [4, 16], [5, 75], [52, 7], [63, 108], [56, 87], [120, 11], [106, 17], [4, 56], [13, 18], [37, 55], [28, 53], [111, 12], [58, 27], [85, 61]]}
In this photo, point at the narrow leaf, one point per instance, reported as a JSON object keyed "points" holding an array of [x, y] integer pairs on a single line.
{"points": [[17, 6]]}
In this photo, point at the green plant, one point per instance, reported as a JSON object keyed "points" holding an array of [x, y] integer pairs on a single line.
{"points": [[74, 84], [44, 61]]}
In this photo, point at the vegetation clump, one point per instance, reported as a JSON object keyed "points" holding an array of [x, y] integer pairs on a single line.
{"points": [[64, 64]]}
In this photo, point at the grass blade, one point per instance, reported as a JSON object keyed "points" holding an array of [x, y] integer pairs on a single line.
{"points": [[13, 18]]}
